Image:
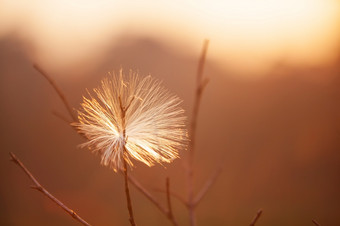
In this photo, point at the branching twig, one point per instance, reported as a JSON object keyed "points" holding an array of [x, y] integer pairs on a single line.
{"points": [[258, 214], [148, 195], [168, 198], [56, 88], [315, 222], [132, 180], [175, 195], [40, 188], [200, 84], [207, 186], [62, 117]]}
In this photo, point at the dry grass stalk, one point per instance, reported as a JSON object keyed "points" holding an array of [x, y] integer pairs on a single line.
{"points": [[207, 186], [200, 85], [151, 198], [256, 218], [168, 198], [37, 186], [315, 222], [56, 88]]}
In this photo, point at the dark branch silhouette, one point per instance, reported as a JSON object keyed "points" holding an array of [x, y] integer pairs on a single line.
{"points": [[256, 218], [148, 195], [168, 198], [207, 186], [37, 186], [200, 85], [316, 223], [56, 88]]}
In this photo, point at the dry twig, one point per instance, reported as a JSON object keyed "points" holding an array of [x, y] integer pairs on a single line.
{"points": [[152, 199], [207, 186], [315, 222], [128, 198], [37, 186], [200, 85], [125, 171], [62, 117], [56, 88], [168, 198], [175, 195], [258, 214]]}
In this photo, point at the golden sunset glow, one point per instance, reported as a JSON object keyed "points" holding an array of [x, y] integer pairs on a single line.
{"points": [[241, 32], [214, 111]]}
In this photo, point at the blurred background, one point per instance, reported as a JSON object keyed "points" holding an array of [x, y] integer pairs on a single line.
{"points": [[270, 114]]}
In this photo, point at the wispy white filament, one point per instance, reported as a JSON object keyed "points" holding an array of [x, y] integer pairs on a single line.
{"points": [[152, 131]]}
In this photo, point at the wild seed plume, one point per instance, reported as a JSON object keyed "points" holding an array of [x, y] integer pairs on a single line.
{"points": [[132, 118]]}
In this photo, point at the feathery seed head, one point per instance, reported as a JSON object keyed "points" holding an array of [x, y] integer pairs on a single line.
{"points": [[132, 118]]}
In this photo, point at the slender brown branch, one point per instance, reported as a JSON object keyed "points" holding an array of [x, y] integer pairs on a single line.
{"points": [[177, 196], [147, 194], [62, 117], [127, 192], [198, 96], [200, 85], [57, 89], [258, 214], [41, 189], [168, 198], [128, 198], [131, 179], [207, 186], [316, 223]]}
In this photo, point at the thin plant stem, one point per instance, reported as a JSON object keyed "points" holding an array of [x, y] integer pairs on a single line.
{"points": [[175, 195], [151, 198], [57, 89], [62, 117], [128, 198], [256, 218], [131, 179], [123, 110], [37, 186], [198, 96], [207, 186], [315, 222], [168, 198]]}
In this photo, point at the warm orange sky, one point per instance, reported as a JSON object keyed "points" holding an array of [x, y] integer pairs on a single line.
{"points": [[244, 32]]}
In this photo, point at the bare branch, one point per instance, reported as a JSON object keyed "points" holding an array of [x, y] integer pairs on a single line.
{"points": [[131, 179], [197, 100], [201, 62], [177, 196], [170, 214], [258, 214], [200, 85], [207, 186], [147, 194], [37, 186], [315, 222], [57, 89], [62, 117], [127, 192]]}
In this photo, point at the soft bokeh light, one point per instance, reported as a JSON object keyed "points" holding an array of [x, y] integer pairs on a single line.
{"points": [[256, 33]]}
